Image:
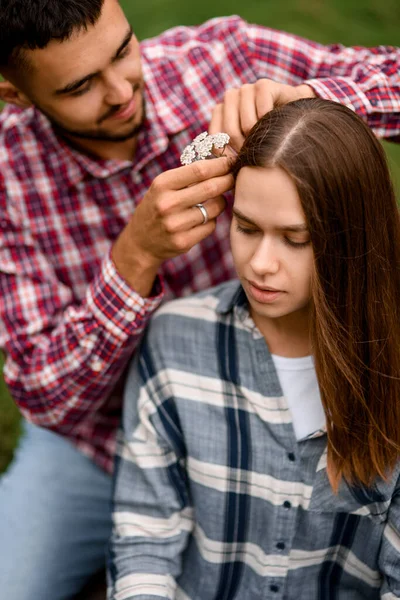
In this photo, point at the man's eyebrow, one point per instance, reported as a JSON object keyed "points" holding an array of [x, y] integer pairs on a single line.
{"points": [[75, 85], [124, 43], [297, 228]]}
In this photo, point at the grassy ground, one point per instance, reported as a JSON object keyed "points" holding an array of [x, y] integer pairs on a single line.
{"points": [[9, 426], [351, 22]]}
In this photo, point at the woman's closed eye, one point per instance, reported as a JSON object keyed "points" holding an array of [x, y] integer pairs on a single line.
{"points": [[289, 241], [296, 243], [246, 230]]}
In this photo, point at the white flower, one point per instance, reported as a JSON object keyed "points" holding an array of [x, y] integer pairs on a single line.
{"points": [[220, 139], [188, 155], [202, 146], [200, 137]]}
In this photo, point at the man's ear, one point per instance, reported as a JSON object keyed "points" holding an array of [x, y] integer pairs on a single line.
{"points": [[10, 94]]}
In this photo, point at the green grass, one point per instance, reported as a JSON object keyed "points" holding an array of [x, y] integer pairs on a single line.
{"points": [[9, 425], [351, 22]]}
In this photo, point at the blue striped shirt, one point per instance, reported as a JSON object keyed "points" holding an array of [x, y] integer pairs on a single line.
{"points": [[215, 498]]}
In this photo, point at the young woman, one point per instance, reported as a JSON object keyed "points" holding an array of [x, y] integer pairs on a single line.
{"points": [[261, 442]]}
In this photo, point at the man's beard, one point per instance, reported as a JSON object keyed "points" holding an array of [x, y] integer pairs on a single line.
{"points": [[98, 134]]}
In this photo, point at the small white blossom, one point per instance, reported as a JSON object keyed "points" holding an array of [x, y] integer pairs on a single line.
{"points": [[202, 145], [204, 148], [188, 155], [200, 137], [220, 140]]}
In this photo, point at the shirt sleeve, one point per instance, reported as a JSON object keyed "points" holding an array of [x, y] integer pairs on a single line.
{"points": [[152, 513], [364, 79], [389, 558], [63, 356]]}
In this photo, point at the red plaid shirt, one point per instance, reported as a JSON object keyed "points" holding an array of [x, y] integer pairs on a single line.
{"points": [[69, 322]]}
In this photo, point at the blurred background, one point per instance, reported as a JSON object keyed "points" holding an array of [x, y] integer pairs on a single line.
{"points": [[351, 22]]}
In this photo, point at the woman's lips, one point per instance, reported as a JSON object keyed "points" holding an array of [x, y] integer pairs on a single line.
{"points": [[263, 295]]}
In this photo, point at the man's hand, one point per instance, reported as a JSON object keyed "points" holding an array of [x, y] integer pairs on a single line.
{"points": [[167, 222], [242, 107]]}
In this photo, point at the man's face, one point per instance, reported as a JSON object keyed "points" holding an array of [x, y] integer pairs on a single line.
{"points": [[271, 245], [91, 86]]}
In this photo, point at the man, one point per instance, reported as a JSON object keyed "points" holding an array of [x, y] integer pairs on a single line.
{"points": [[94, 234]]}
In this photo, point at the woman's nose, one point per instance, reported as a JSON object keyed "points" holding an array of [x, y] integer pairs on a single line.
{"points": [[265, 259]]}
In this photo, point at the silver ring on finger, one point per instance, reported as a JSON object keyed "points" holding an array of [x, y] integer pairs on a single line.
{"points": [[203, 211]]}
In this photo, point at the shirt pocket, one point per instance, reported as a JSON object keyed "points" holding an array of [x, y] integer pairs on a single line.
{"points": [[372, 502]]}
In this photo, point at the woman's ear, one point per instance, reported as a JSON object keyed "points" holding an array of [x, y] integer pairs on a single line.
{"points": [[10, 94]]}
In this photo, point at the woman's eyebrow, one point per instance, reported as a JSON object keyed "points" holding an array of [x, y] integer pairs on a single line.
{"points": [[298, 228], [243, 217], [295, 228]]}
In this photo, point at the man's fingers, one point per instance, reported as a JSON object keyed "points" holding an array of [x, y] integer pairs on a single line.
{"points": [[248, 114], [182, 177], [267, 95], [231, 118], [193, 216], [214, 207], [216, 124], [186, 240], [174, 202], [229, 152], [203, 191]]}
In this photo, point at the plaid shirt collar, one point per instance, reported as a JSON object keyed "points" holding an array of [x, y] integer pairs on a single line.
{"points": [[232, 296]]}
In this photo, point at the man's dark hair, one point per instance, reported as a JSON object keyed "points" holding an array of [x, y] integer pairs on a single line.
{"points": [[32, 24]]}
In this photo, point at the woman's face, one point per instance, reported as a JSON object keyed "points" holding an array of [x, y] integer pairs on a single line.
{"points": [[271, 244]]}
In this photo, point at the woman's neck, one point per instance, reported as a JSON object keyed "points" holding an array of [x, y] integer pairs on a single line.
{"points": [[287, 336]]}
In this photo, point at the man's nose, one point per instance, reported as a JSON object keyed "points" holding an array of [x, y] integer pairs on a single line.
{"points": [[119, 91]]}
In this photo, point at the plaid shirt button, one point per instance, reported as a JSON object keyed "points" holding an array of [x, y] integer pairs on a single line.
{"points": [[280, 545]]}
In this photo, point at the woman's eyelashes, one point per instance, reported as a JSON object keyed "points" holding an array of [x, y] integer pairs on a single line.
{"points": [[294, 244], [246, 230], [287, 240]]}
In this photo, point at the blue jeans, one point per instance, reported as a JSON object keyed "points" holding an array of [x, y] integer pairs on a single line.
{"points": [[55, 519]]}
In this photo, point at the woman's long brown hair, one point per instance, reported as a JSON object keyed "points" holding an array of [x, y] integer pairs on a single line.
{"points": [[344, 184]]}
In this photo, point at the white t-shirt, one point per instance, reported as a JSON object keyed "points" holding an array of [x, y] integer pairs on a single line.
{"points": [[300, 387]]}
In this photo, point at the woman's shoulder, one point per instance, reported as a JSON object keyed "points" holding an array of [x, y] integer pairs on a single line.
{"points": [[200, 305], [191, 318]]}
